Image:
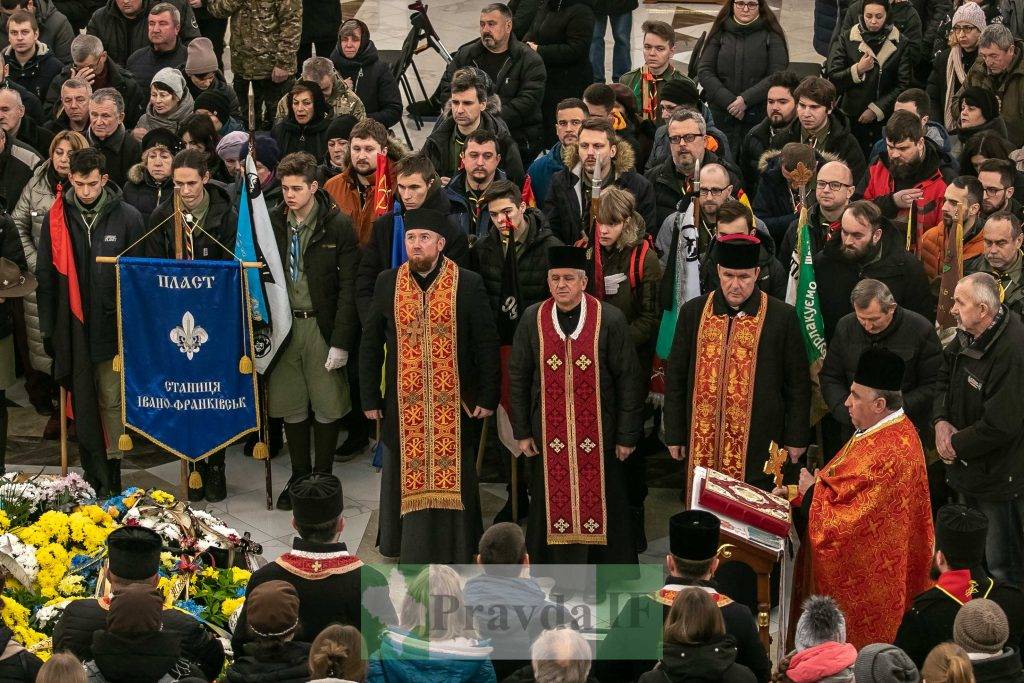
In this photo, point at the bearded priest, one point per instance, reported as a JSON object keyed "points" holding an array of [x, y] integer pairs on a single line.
{"points": [[869, 519]]}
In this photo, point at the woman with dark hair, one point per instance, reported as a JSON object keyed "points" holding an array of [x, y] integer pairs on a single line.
{"points": [[199, 131], [695, 647], [744, 47], [870, 65], [988, 145], [305, 129], [978, 113]]}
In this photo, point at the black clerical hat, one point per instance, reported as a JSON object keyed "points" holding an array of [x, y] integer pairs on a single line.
{"points": [[880, 369], [567, 257], [133, 552], [426, 219], [693, 535], [316, 498], [960, 534], [738, 251]]}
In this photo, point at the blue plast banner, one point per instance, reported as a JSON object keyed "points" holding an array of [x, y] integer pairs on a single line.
{"points": [[184, 330]]}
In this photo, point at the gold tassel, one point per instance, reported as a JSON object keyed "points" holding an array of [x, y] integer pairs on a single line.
{"points": [[260, 451], [245, 365], [195, 480], [124, 442], [116, 363]]}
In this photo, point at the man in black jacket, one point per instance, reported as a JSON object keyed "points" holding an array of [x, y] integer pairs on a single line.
{"points": [[119, 24], [93, 65], [978, 430], [17, 161], [833, 190], [517, 72], [867, 247], [469, 102], [781, 106], [465, 191], [107, 134], [598, 153], [30, 62], [960, 576], [19, 127], [133, 557], [163, 48], [92, 221]]}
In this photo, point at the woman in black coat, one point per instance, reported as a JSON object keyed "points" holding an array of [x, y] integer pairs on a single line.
{"points": [[305, 128], [870, 66], [356, 59], [561, 35], [744, 47]]}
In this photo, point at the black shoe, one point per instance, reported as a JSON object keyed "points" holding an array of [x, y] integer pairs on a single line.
{"points": [[284, 501], [353, 447], [215, 483]]}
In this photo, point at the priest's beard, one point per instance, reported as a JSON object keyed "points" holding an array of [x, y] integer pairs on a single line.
{"points": [[422, 264]]}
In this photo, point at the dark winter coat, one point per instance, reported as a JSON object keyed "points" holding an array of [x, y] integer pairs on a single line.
{"points": [[543, 169], [819, 232], [78, 12], [121, 150], [979, 394], [520, 85], [438, 147], [311, 137], [932, 14], [320, 20], [121, 80], [219, 85], [938, 85], [290, 664], [11, 249], [144, 193], [903, 15], [17, 163], [16, 663], [638, 299], [121, 36], [911, 337], [736, 61], [462, 213], [878, 88], [757, 141], [35, 74], [221, 222], [1008, 87], [563, 208], [329, 264], [667, 190], [837, 141], [149, 657], [74, 632], [146, 61], [372, 80], [55, 30], [775, 204], [827, 15], [34, 136], [714, 661], [562, 30], [487, 257], [782, 389], [1002, 668], [901, 271]]}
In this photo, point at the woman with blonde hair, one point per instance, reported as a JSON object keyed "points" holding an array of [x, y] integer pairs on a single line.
{"points": [[62, 667], [433, 643], [337, 655], [947, 663]]}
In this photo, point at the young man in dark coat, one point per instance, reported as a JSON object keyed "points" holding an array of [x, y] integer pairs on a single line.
{"points": [[480, 161], [780, 112], [319, 247], [338, 588], [517, 72], [30, 62], [92, 221], [960, 577], [123, 30], [469, 102], [133, 557], [357, 61], [568, 203], [600, 415], [454, 364], [53, 29]]}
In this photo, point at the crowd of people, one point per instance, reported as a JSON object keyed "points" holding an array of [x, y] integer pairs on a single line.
{"points": [[575, 276]]}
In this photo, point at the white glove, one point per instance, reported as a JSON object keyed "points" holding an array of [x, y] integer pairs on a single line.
{"points": [[336, 358], [611, 283]]}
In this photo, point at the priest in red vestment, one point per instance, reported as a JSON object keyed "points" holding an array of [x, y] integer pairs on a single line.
{"points": [[869, 521]]}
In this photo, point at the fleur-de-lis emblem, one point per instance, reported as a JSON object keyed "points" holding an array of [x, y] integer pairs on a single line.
{"points": [[188, 336]]}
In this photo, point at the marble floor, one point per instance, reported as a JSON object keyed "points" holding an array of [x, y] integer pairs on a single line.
{"points": [[245, 508]]}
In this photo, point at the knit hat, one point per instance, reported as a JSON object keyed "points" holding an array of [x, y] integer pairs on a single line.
{"points": [[970, 13], [821, 621], [272, 609], [171, 79], [267, 151], [316, 498], [982, 98], [884, 663], [136, 608], [201, 57], [232, 145], [215, 103], [981, 626], [341, 127]]}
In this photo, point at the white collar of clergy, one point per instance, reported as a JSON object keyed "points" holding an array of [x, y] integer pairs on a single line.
{"points": [[881, 424], [579, 325], [675, 587]]}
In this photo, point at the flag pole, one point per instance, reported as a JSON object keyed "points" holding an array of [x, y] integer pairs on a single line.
{"points": [[178, 253], [63, 432]]}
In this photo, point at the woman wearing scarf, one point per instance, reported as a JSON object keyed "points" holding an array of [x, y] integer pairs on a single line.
{"points": [[305, 128], [978, 111], [170, 103], [870, 66], [744, 47], [953, 63]]}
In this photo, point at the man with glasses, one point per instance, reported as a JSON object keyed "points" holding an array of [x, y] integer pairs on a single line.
{"points": [[569, 118], [996, 177], [952, 64], [833, 189], [1002, 239], [673, 179]]}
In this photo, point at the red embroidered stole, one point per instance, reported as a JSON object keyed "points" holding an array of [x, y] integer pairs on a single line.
{"points": [[667, 595], [573, 447], [723, 390], [318, 565], [429, 402]]}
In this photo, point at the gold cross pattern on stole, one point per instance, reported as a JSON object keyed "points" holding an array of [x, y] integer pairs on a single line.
{"points": [[554, 362], [316, 567], [561, 525], [583, 363]]}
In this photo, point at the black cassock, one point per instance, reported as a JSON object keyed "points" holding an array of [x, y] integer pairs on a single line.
{"points": [[433, 535], [622, 399]]}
